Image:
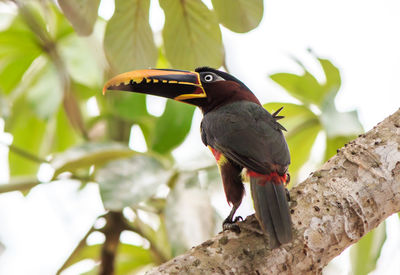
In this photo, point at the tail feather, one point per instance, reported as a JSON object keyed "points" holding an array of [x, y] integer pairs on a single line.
{"points": [[272, 210]]}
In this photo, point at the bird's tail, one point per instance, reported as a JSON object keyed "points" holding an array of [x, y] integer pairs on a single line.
{"points": [[272, 209]]}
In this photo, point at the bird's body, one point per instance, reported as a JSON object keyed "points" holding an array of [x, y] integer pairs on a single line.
{"points": [[243, 135], [244, 139]]}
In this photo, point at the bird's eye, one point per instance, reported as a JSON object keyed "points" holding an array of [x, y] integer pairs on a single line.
{"points": [[208, 77]]}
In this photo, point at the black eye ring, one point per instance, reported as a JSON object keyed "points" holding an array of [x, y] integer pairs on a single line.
{"points": [[208, 77]]}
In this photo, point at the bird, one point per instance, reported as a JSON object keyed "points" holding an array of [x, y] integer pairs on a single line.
{"points": [[246, 140]]}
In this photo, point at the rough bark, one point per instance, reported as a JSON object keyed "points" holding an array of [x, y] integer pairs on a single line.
{"points": [[333, 208]]}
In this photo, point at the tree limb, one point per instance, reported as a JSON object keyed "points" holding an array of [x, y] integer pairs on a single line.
{"points": [[333, 208]]}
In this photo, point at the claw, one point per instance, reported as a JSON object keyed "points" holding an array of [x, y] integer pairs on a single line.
{"points": [[229, 223], [232, 226]]}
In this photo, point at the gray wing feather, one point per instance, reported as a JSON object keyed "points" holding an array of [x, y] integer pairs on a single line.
{"points": [[247, 134]]}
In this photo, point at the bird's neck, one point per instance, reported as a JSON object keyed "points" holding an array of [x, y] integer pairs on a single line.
{"points": [[217, 102]]}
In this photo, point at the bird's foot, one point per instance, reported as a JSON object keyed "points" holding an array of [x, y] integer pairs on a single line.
{"points": [[228, 224]]}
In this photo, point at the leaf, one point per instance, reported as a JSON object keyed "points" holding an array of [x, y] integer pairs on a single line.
{"points": [[28, 132], [127, 182], [131, 257], [332, 77], [4, 107], [45, 93], [300, 146], [88, 154], [59, 27], [365, 253], [156, 237], [189, 215], [306, 87], [83, 92], [73, 112], [303, 87], [63, 135], [82, 14], [340, 123], [87, 252], [129, 106], [333, 144], [81, 60], [18, 49], [302, 127], [128, 41], [239, 15], [191, 35], [172, 127]]}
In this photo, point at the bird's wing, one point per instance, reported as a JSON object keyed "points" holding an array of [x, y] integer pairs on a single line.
{"points": [[248, 135]]}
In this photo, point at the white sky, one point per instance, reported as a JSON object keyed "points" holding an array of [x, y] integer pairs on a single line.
{"points": [[360, 37]]}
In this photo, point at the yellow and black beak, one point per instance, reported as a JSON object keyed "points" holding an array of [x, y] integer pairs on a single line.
{"points": [[174, 84]]}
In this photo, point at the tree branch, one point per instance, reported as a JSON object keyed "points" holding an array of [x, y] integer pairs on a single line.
{"points": [[350, 195], [19, 184]]}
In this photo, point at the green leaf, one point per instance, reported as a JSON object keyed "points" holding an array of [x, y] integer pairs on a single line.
{"points": [[59, 27], [333, 144], [157, 237], [83, 92], [127, 182], [306, 88], [340, 123], [18, 49], [239, 15], [81, 60], [28, 132], [82, 14], [300, 145], [365, 253], [88, 154], [302, 127], [162, 61], [191, 34], [303, 87], [189, 215], [172, 127], [45, 93], [4, 107], [91, 252], [128, 40], [129, 106], [131, 257], [63, 135], [332, 77]]}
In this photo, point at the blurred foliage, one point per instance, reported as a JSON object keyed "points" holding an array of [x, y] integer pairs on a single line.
{"points": [[366, 252], [53, 62], [316, 113]]}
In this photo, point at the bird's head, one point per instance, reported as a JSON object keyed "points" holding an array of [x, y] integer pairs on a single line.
{"points": [[206, 88]]}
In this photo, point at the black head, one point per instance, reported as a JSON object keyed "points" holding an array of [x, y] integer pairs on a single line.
{"points": [[221, 88]]}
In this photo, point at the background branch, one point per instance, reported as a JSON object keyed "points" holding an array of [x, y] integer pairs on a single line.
{"points": [[350, 195]]}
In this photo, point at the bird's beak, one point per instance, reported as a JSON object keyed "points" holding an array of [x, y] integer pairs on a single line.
{"points": [[175, 84]]}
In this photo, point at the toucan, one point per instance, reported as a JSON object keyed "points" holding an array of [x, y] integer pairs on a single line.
{"points": [[246, 140]]}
